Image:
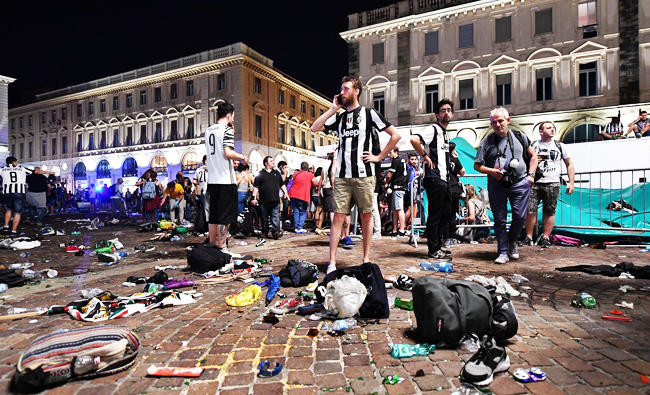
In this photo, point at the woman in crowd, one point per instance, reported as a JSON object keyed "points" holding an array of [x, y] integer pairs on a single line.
{"points": [[244, 184], [150, 205], [476, 215]]}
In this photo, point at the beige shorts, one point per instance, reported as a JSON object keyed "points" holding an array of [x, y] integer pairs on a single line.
{"points": [[348, 191]]}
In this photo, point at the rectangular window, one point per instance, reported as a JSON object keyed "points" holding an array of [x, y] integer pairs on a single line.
{"points": [[91, 108], [30, 151], [503, 29], [52, 116], [43, 119], [190, 128], [466, 36], [79, 110], [430, 43], [587, 13], [64, 114], [293, 137], [588, 79], [281, 136], [221, 82], [129, 100], [173, 91], [129, 136], [293, 102], [157, 94], [312, 111], [378, 53], [13, 123], [258, 126], [143, 97], [91, 141], [430, 98], [30, 121], [544, 79], [257, 85], [466, 94], [80, 146], [53, 147], [20, 122], [378, 102], [173, 130], [22, 150], [143, 134], [544, 21], [158, 133], [43, 147], [280, 96], [504, 89], [189, 87], [102, 105], [64, 145], [303, 106], [303, 139], [13, 149], [116, 103], [102, 141], [116, 138]]}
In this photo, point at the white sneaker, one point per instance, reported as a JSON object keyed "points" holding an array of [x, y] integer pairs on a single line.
{"points": [[376, 236], [330, 268], [513, 253], [503, 258]]}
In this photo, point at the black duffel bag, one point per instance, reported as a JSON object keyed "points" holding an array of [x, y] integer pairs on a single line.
{"points": [[369, 274], [447, 309], [298, 273], [206, 258]]}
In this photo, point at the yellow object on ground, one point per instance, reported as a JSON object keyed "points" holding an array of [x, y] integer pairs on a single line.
{"points": [[245, 297]]}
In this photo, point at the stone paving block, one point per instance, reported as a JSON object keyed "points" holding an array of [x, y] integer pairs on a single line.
{"points": [[449, 368], [240, 367], [235, 391], [544, 388], [300, 351], [406, 387], [356, 360], [598, 379], [431, 382], [328, 355], [412, 367], [444, 355], [366, 386], [333, 380], [299, 363], [194, 354], [580, 389], [302, 391], [354, 372], [268, 388], [272, 350], [383, 360], [349, 349], [503, 384], [616, 354], [535, 359], [203, 387], [214, 359], [327, 367], [574, 364], [638, 366], [623, 391], [560, 375], [233, 380], [303, 377]]}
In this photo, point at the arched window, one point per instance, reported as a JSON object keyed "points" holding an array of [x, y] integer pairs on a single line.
{"points": [[159, 164], [582, 133], [129, 168], [190, 163], [80, 171], [103, 169], [116, 138]]}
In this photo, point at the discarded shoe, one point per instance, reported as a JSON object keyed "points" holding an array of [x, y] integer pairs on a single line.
{"points": [[72, 248], [286, 306], [144, 248], [529, 375], [47, 231], [482, 366], [403, 282], [108, 257]]}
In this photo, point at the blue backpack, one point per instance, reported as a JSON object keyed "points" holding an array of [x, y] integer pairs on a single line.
{"points": [[149, 190]]}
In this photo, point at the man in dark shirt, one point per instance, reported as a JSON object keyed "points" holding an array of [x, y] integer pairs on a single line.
{"points": [[266, 193], [36, 195], [397, 179]]}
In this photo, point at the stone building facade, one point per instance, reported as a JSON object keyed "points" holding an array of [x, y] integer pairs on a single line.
{"points": [[4, 117], [119, 126], [574, 62]]}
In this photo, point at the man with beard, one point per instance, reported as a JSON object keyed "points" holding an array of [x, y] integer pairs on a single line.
{"points": [[358, 151]]}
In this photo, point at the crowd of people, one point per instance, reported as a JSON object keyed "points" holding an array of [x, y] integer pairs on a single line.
{"points": [[386, 198], [638, 128]]}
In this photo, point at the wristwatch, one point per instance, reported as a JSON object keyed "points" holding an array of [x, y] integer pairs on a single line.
{"points": [[531, 175]]}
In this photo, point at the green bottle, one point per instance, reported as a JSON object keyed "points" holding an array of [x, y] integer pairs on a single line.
{"points": [[406, 304], [583, 299], [409, 350]]}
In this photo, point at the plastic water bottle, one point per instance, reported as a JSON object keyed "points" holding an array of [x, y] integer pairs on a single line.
{"points": [[3, 287], [122, 254], [583, 299], [438, 266], [406, 304], [344, 324]]}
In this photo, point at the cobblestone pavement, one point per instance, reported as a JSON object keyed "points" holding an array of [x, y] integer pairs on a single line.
{"points": [[579, 351]]}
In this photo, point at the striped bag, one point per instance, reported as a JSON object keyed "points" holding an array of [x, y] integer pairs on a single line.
{"points": [[66, 355]]}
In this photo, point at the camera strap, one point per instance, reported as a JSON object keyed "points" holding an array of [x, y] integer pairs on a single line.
{"points": [[509, 142]]}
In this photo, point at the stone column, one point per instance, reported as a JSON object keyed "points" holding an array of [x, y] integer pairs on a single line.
{"points": [[403, 77], [4, 117], [628, 27]]}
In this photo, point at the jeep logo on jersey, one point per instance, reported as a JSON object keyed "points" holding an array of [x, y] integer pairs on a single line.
{"points": [[350, 133]]}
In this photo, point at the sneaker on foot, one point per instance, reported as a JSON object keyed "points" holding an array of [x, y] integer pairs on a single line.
{"points": [[487, 361], [346, 242], [330, 268], [446, 252], [513, 253], [502, 259], [439, 255], [376, 236], [544, 242], [527, 242]]}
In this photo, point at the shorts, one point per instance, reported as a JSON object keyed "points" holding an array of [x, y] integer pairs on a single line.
{"points": [[358, 189], [327, 201], [14, 202], [547, 193], [223, 199], [397, 201]]}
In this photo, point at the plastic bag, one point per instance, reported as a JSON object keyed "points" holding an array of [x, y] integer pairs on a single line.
{"points": [[344, 296]]}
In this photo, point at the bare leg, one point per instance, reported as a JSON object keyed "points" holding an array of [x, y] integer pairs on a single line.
{"points": [[218, 234], [17, 221], [395, 220], [531, 221], [7, 218], [335, 236], [345, 227], [366, 228], [400, 216], [549, 223]]}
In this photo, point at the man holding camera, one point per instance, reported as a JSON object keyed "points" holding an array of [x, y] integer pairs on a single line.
{"points": [[501, 156]]}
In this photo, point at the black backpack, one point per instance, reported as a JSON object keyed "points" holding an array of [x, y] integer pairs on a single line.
{"points": [[504, 318], [298, 273], [206, 257], [369, 274], [200, 222], [447, 309]]}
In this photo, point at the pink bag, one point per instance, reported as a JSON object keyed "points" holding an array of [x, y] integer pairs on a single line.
{"points": [[566, 241]]}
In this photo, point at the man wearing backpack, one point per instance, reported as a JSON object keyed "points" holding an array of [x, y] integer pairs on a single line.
{"points": [[501, 155], [550, 154], [117, 197], [358, 151]]}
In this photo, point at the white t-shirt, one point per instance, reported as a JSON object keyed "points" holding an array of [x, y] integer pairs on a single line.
{"points": [[550, 160], [14, 178], [220, 168], [201, 176]]}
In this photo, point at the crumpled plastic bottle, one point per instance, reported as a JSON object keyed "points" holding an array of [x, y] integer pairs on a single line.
{"points": [[470, 343], [410, 350]]}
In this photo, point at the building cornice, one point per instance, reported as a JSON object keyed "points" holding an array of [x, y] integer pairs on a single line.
{"points": [[6, 80], [409, 21]]}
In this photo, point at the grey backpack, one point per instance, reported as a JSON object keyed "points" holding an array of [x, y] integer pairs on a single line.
{"points": [[447, 309]]}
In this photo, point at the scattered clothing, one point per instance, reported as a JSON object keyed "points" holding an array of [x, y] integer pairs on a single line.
{"points": [[642, 272]]}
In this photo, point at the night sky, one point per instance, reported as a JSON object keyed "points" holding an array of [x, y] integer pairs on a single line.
{"points": [[51, 45]]}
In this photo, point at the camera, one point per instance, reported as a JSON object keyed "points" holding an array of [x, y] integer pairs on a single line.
{"points": [[339, 100], [509, 174]]}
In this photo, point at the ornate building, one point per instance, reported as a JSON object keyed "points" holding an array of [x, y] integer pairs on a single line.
{"points": [[4, 117], [576, 63], [119, 126]]}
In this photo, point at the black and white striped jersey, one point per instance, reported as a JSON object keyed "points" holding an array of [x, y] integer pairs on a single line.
{"points": [[436, 144], [355, 130], [14, 178]]}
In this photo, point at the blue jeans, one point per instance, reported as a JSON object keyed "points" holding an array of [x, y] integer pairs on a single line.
{"points": [[518, 196], [241, 201], [299, 212], [273, 209]]}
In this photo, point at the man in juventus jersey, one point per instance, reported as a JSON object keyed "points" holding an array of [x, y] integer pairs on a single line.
{"points": [[14, 178], [436, 176], [201, 185], [358, 152]]}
